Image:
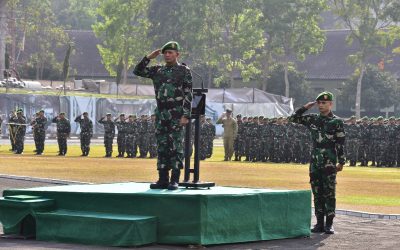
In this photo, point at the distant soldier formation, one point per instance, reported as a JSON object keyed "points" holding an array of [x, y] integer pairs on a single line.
{"points": [[369, 141], [135, 135]]}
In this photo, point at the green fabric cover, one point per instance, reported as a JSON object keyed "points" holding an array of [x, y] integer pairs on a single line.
{"points": [[185, 216], [13, 210], [96, 228]]}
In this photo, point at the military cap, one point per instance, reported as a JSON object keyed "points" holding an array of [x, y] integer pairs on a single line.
{"points": [[265, 119], [392, 118], [380, 118], [41, 111], [172, 45], [131, 116], [239, 115], [142, 115], [85, 113], [365, 118], [228, 111], [122, 114], [244, 117], [261, 117], [62, 113], [108, 114], [19, 111], [325, 96], [352, 117]]}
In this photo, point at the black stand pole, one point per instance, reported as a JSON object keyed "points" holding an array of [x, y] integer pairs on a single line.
{"points": [[198, 108]]}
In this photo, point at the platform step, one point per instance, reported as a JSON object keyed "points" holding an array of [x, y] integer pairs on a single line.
{"points": [[96, 228]]}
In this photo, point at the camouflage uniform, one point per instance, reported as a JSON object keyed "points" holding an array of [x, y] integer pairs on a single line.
{"points": [[365, 139], [39, 131], [131, 128], [121, 137], [152, 140], [63, 131], [20, 131], [109, 134], [86, 133], [210, 138], [173, 89], [143, 140], [352, 142], [328, 137]]}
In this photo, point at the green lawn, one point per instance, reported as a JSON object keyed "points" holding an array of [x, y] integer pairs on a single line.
{"points": [[359, 188]]}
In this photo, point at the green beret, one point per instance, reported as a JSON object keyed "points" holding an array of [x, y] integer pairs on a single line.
{"points": [[208, 118], [122, 114], [261, 117], [41, 111], [392, 118], [85, 113], [19, 111], [239, 115], [131, 116], [365, 118], [380, 118], [108, 114], [353, 117], [62, 113], [172, 45], [228, 111], [325, 96]]}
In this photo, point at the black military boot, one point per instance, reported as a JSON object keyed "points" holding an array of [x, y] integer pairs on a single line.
{"points": [[163, 180], [173, 185], [328, 225], [319, 227], [236, 158]]}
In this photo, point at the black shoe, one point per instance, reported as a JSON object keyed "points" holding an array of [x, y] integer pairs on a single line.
{"points": [[163, 180], [173, 185], [319, 227], [328, 226]]}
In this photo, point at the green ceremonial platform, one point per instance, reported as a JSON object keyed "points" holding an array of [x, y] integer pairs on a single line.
{"points": [[130, 214]]}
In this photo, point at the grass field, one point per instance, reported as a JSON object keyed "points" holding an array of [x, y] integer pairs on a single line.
{"points": [[359, 188]]}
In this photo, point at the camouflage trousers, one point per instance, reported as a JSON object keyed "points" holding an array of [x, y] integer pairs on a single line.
{"points": [[239, 147], [143, 143], [210, 145], [121, 142], [108, 143], [85, 142], [323, 183], [62, 143], [169, 136], [131, 145], [152, 146], [19, 142], [39, 138], [352, 148]]}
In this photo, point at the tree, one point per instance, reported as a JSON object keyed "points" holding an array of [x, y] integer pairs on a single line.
{"points": [[301, 90], [371, 25], [379, 89], [3, 34], [293, 31], [122, 27], [75, 14]]}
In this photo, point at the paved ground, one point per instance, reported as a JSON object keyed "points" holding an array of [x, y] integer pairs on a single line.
{"points": [[352, 233]]}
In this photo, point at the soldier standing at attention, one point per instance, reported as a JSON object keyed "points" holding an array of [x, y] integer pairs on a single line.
{"points": [[230, 132], [328, 138], [239, 138], [63, 131], [210, 137], [121, 138], [86, 132], [152, 137], [20, 131], [12, 128], [173, 88], [39, 131], [109, 133], [131, 131]]}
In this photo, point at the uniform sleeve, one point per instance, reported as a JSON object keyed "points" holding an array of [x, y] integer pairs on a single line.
{"points": [[91, 127], [187, 92], [142, 70], [235, 129], [219, 121], [299, 117], [340, 139], [78, 119], [54, 120], [68, 127]]}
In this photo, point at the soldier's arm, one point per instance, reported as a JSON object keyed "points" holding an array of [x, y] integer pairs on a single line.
{"points": [[187, 93], [68, 127], [141, 69], [78, 118], [340, 139], [220, 120], [235, 129], [54, 120], [299, 117]]}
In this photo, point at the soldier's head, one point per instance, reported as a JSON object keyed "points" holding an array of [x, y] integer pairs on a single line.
{"points": [[19, 113], [131, 118], [153, 117], [85, 115], [61, 115], [250, 119], [353, 120], [41, 113], [202, 118], [108, 116], [324, 101], [244, 119], [239, 117], [228, 112], [392, 120], [208, 119], [171, 52], [122, 117], [380, 120]]}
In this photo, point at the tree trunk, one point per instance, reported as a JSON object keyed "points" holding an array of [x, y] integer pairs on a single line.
{"points": [[3, 33], [125, 71], [210, 76], [287, 85], [358, 94]]}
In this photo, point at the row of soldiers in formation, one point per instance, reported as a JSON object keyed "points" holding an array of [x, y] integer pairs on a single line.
{"points": [[368, 140], [134, 135], [375, 140]]}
